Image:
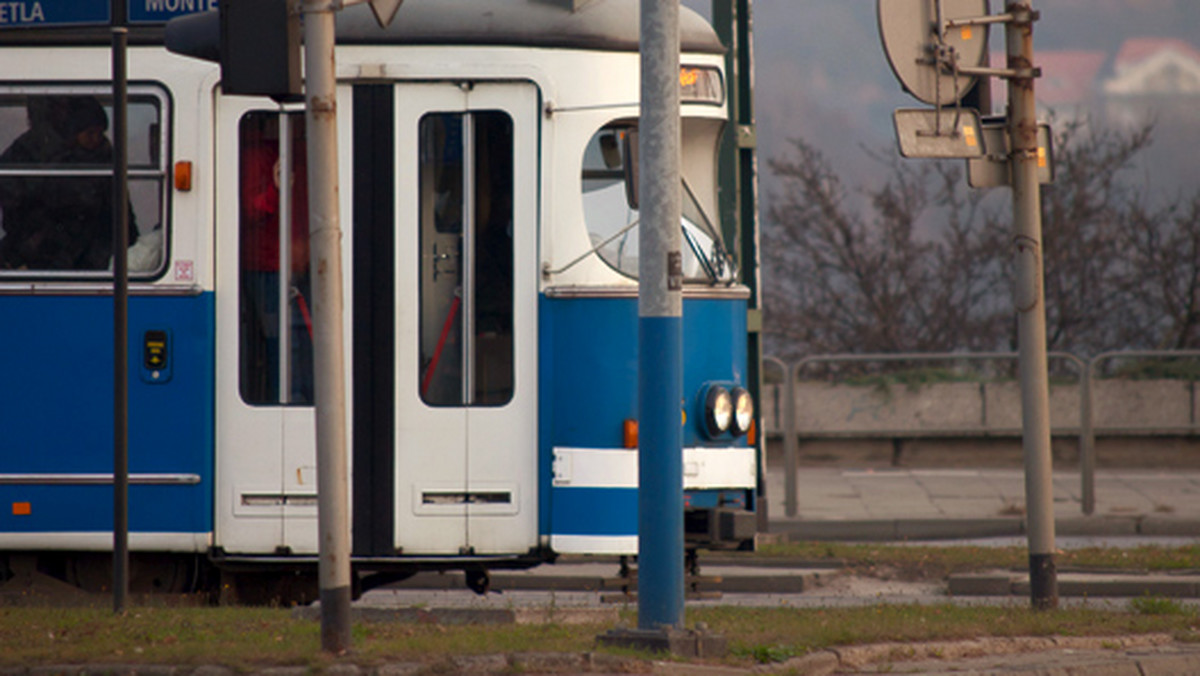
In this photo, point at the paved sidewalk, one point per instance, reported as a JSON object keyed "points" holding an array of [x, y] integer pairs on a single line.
{"points": [[900, 504]]}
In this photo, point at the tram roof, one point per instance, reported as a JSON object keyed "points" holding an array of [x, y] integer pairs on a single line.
{"points": [[607, 25]]}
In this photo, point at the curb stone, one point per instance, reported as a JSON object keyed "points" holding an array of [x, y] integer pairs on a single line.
{"points": [[821, 663], [280, 671], [1138, 655], [615, 663], [480, 664], [689, 669], [400, 669], [552, 662], [848, 659]]}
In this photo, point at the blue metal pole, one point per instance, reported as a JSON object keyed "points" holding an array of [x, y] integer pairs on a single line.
{"points": [[660, 324]]}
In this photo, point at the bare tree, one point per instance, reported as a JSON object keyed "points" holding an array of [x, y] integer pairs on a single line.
{"points": [[1162, 276], [1084, 215], [922, 263], [869, 272]]}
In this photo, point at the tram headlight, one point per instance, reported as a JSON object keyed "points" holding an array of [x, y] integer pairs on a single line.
{"points": [[743, 411], [718, 411]]}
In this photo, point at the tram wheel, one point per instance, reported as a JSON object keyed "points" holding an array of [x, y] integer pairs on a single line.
{"points": [[273, 588], [149, 573], [478, 580]]}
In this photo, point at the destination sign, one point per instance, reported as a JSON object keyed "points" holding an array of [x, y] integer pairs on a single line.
{"points": [[162, 11], [50, 13]]}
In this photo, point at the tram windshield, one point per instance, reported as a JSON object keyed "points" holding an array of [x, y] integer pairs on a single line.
{"points": [[610, 207]]}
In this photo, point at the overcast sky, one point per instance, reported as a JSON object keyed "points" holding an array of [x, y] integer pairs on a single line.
{"points": [[821, 73]]}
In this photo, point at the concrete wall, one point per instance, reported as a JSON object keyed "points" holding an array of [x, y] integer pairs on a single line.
{"points": [[1137, 407]]}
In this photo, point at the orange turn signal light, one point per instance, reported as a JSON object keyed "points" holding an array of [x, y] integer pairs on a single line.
{"points": [[183, 175], [631, 433]]}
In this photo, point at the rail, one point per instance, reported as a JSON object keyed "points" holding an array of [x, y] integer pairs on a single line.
{"points": [[1087, 445], [1086, 432]]}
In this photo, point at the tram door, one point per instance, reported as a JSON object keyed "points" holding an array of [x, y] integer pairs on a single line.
{"points": [[266, 491], [466, 317]]}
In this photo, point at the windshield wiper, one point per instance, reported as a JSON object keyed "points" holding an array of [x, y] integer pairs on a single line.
{"points": [[720, 262]]}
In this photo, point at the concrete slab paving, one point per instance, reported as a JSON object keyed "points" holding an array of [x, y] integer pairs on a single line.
{"points": [[836, 503]]}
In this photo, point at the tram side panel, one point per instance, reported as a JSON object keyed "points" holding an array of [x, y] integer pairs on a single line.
{"points": [[56, 350]]}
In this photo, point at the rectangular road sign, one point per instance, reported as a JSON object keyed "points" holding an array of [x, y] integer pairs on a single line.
{"points": [[942, 133], [993, 170], [55, 13]]}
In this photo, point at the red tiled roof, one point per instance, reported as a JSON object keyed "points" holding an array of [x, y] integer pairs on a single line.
{"points": [[1136, 50]]}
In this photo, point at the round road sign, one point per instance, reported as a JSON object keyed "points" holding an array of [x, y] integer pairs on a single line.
{"points": [[921, 57]]}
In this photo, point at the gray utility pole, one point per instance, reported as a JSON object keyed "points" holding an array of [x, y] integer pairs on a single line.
{"points": [[1029, 300], [329, 361], [325, 250], [936, 50]]}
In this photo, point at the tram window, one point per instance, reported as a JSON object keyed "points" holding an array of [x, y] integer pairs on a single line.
{"points": [[275, 346], [466, 235], [612, 218], [56, 182]]}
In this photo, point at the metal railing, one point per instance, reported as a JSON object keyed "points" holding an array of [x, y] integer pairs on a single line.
{"points": [[1087, 430]]}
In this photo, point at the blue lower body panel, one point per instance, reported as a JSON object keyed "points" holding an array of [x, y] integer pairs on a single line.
{"points": [[589, 384], [56, 413], [588, 511]]}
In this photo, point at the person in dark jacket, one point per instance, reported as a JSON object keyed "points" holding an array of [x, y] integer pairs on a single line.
{"points": [[59, 222]]}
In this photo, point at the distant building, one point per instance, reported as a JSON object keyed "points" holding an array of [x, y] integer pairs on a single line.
{"points": [[1155, 66], [1153, 79], [1069, 83]]}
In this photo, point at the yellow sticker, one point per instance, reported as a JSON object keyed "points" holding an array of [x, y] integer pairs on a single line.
{"points": [[1041, 157], [966, 33], [969, 135]]}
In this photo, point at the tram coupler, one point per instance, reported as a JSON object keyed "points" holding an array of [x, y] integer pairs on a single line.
{"points": [[719, 527]]}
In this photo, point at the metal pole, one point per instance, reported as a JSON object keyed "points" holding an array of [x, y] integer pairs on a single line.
{"points": [[791, 452], [660, 324], [333, 523], [283, 293], [120, 240], [733, 20], [467, 258], [1087, 442], [1029, 301]]}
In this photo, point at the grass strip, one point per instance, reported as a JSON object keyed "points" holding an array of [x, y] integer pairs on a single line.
{"points": [[933, 562], [248, 638], [776, 634]]}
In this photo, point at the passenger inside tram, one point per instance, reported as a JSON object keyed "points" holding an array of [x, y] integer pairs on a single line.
{"points": [[53, 218]]}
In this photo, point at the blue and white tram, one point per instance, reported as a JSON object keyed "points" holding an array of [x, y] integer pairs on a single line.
{"points": [[490, 253]]}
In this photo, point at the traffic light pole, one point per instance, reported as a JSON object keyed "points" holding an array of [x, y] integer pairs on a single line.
{"points": [[936, 66], [1029, 300], [325, 249]]}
